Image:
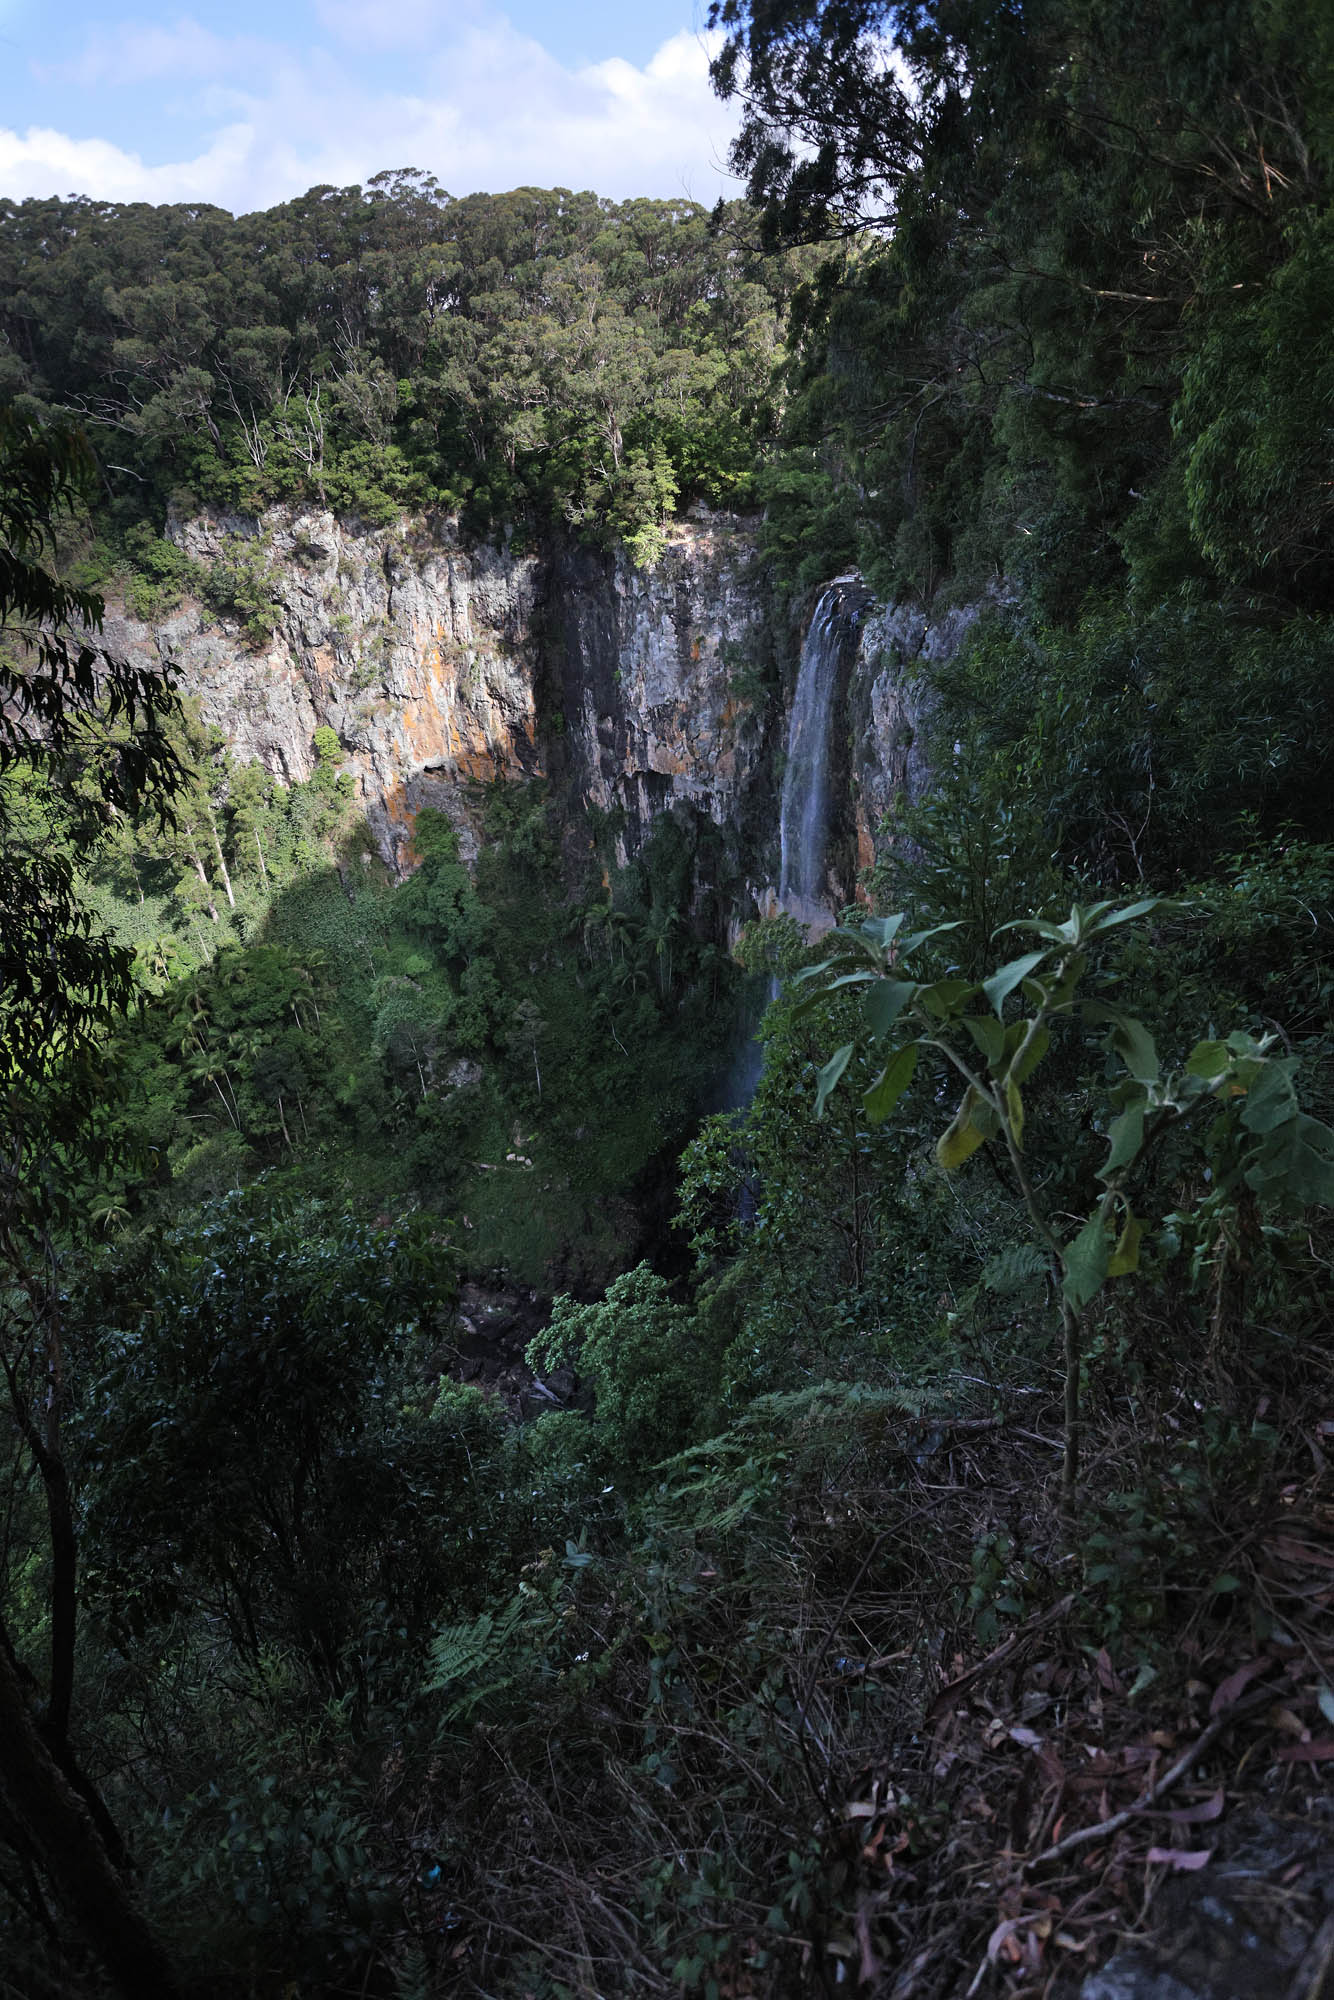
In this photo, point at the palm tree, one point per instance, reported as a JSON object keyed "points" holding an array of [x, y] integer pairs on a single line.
{"points": [[660, 928], [613, 925]]}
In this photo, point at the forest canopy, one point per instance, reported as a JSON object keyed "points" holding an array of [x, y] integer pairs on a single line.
{"points": [[535, 355]]}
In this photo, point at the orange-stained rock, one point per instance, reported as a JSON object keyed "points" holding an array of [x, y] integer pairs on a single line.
{"points": [[865, 841], [444, 664], [424, 653]]}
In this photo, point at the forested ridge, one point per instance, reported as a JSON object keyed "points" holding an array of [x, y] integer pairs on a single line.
{"points": [[527, 357], [484, 1512]]}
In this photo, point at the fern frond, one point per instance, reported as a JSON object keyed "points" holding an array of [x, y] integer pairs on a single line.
{"points": [[1015, 1268]]}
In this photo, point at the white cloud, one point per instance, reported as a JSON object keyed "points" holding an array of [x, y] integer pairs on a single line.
{"points": [[489, 109], [43, 162], [406, 24], [140, 52]]}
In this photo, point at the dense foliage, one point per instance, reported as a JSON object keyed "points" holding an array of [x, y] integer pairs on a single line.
{"points": [[533, 357], [531, 1531], [1065, 359]]}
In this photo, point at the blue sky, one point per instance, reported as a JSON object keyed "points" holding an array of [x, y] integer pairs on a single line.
{"points": [[246, 103]]}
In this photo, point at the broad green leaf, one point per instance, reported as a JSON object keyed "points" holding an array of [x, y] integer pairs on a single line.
{"points": [[962, 1138], [947, 996], [828, 1077], [1002, 984], [1208, 1059], [1295, 1162], [1135, 1046], [985, 1118], [910, 943], [1271, 1100], [1125, 1257], [1096, 920], [847, 952], [882, 931], [891, 1083], [885, 1001], [1130, 1038], [1127, 1136], [1022, 1067], [1014, 1106], [852, 944], [811, 1000], [989, 1036], [1085, 1263], [1056, 932]]}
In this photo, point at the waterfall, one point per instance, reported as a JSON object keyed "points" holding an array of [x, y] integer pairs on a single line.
{"points": [[803, 820], [804, 814]]}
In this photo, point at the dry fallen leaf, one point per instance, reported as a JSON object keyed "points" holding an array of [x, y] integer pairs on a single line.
{"points": [[1319, 1752], [1236, 1684], [1107, 1673], [1210, 1808], [1053, 1770], [1299, 1552], [1183, 1859]]}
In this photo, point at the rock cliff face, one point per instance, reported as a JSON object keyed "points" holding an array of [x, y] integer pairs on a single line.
{"points": [[439, 663], [888, 707], [648, 666]]}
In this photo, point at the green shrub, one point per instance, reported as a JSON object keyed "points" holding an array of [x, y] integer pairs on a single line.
{"points": [[243, 584], [641, 1353]]}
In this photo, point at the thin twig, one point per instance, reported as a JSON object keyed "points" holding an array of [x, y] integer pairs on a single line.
{"points": [[1087, 1834], [997, 1658]]}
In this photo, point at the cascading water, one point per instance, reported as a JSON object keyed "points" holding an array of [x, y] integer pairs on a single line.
{"points": [[803, 826], [803, 822]]}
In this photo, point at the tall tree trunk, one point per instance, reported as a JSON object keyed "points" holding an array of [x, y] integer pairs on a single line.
{"points": [[55, 1826], [222, 865], [193, 853]]}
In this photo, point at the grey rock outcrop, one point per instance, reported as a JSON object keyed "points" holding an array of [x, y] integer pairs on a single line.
{"points": [[1256, 1924], [889, 706], [647, 670], [439, 662]]}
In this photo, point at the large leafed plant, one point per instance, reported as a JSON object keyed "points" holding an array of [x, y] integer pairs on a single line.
{"points": [[1260, 1146]]}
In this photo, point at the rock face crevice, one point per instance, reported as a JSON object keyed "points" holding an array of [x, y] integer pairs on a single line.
{"points": [[647, 670], [415, 649], [889, 711]]}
